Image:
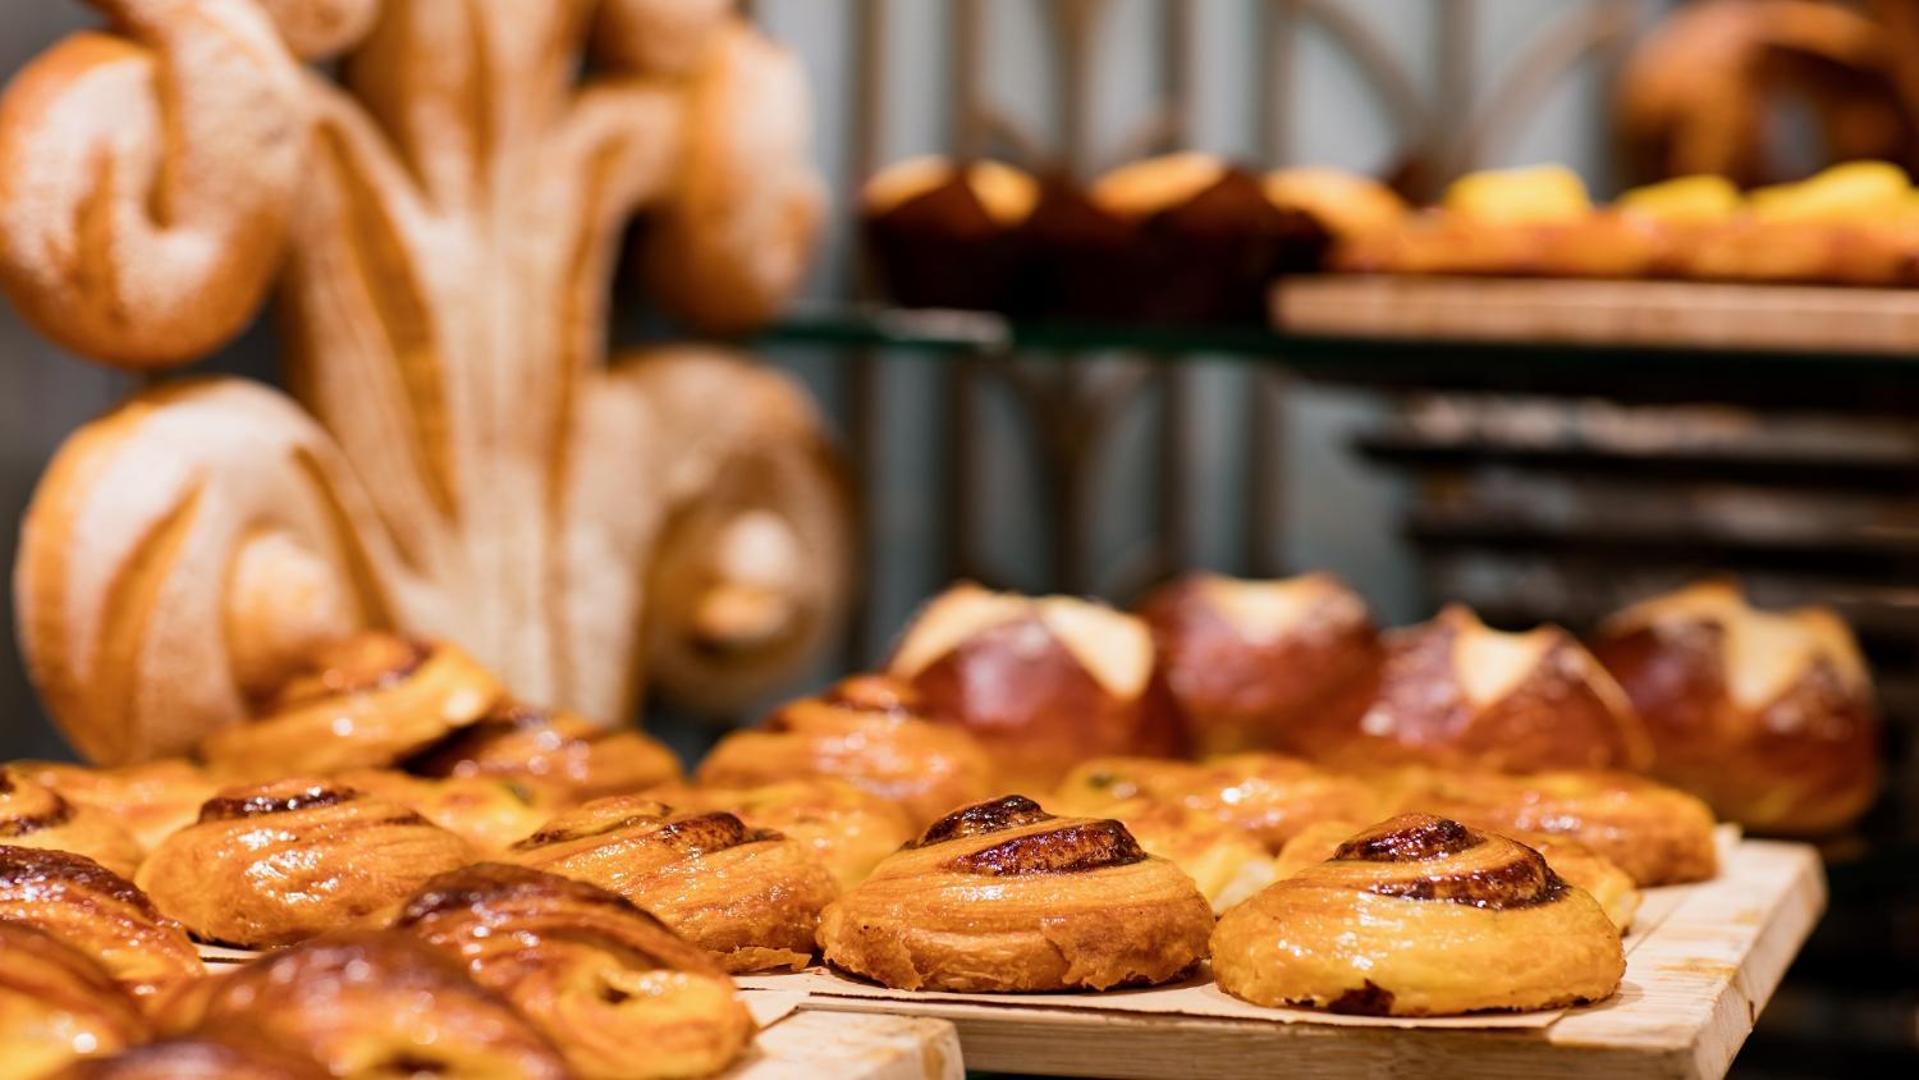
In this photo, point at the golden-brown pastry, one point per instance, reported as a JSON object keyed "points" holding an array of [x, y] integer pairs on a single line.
{"points": [[1243, 660], [277, 863], [1226, 862], [560, 750], [869, 730], [750, 895], [1769, 716], [1420, 916], [149, 800], [489, 814], [1347, 204], [35, 816], [198, 1057], [1267, 796], [374, 1003], [367, 701], [57, 1005], [848, 830], [1003, 896], [101, 914], [622, 996], [1042, 683]]}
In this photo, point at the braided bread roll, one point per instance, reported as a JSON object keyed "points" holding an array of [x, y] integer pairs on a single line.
{"points": [[56, 1004], [558, 750], [197, 1057], [101, 914], [750, 895], [1267, 796], [150, 801], [1420, 916], [491, 815], [1003, 896], [599, 976], [869, 730], [846, 829], [278, 863], [35, 816]]}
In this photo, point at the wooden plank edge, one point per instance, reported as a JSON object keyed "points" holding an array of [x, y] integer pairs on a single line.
{"points": [[819, 1045]]}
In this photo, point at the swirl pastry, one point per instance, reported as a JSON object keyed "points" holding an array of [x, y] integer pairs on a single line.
{"points": [[599, 976], [101, 914], [750, 895], [1003, 896], [56, 1005], [1225, 862], [848, 830], [1420, 916], [197, 1057], [1267, 796], [487, 813], [273, 864], [149, 800], [367, 702], [374, 1003], [559, 750], [869, 730], [36, 816]]}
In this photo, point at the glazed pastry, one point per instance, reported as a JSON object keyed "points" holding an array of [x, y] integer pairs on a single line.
{"points": [[1243, 661], [373, 1003], [1267, 796], [750, 895], [1769, 716], [947, 234], [56, 1005], [278, 863], [491, 815], [1225, 862], [35, 816], [198, 1057], [1042, 683], [847, 830], [600, 977], [1454, 692], [367, 702], [100, 913], [563, 751], [1003, 896], [149, 800], [869, 730], [1420, 916]]}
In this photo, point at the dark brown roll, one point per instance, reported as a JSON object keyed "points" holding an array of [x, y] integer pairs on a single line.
{"points": [[101, 914], [57, 1005], [563, 751], [947, 234]]}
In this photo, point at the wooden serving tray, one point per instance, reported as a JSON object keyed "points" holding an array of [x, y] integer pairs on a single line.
{"points": [[1701, 963]]}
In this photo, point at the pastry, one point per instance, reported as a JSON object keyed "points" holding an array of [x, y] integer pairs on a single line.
{"points": [[149, 800], [1266, 796], [848, 830], [869, 730], [1042, 683], [1242, 661], [1455, 692], [198, 1057], [277, 863], [623, 997], [367, 701], [1003, 896], [36, 816], [1420, 916], [556, 749], [56, 1005], [946, 233], [373, 1003], [488, 814], [750, 895], [1226, 862], [1768, 716], [103, 915]]}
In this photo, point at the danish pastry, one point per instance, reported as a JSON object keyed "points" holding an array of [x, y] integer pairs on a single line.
{"points": [[869, 730], [149, 800], [848, 830], [557, 749], [487, 813], [1225, 862], [750, 895], [1003, 896], [197, 1057], [36, 816], [600, 977], [56, 1005], [277, 863], [1267, 796], [100, 913], [1420, 916]]}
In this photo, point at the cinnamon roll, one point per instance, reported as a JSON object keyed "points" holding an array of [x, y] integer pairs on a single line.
{"points": [[57, 1005], [149, 800], [848, 830], [277, 863], [367, 701], [198, 1057], [1268, 796], [374, 1004], [101, 914], [750, 895], [560, 750], [487, 813], [1003, 896], [1420, 916], [35, 816], [869, 730], [599, 976]]}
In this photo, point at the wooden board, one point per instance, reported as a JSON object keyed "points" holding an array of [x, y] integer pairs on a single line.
{"points": [[1657, 314], [1695, 982], [820, 1045]]}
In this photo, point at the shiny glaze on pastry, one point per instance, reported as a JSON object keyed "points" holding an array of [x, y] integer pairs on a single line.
{"points": [[374, 1004], [198, 1057], [1226, 862], [1420, 916], [149, 800], [490, 814], [57, 1005], [622, 996], [563, 751], [1003, 896], [749, 895], [869, 730], [275, 863], [1268, 796], [848, 830], [103, 915], [367, 701], [32, 815]]}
